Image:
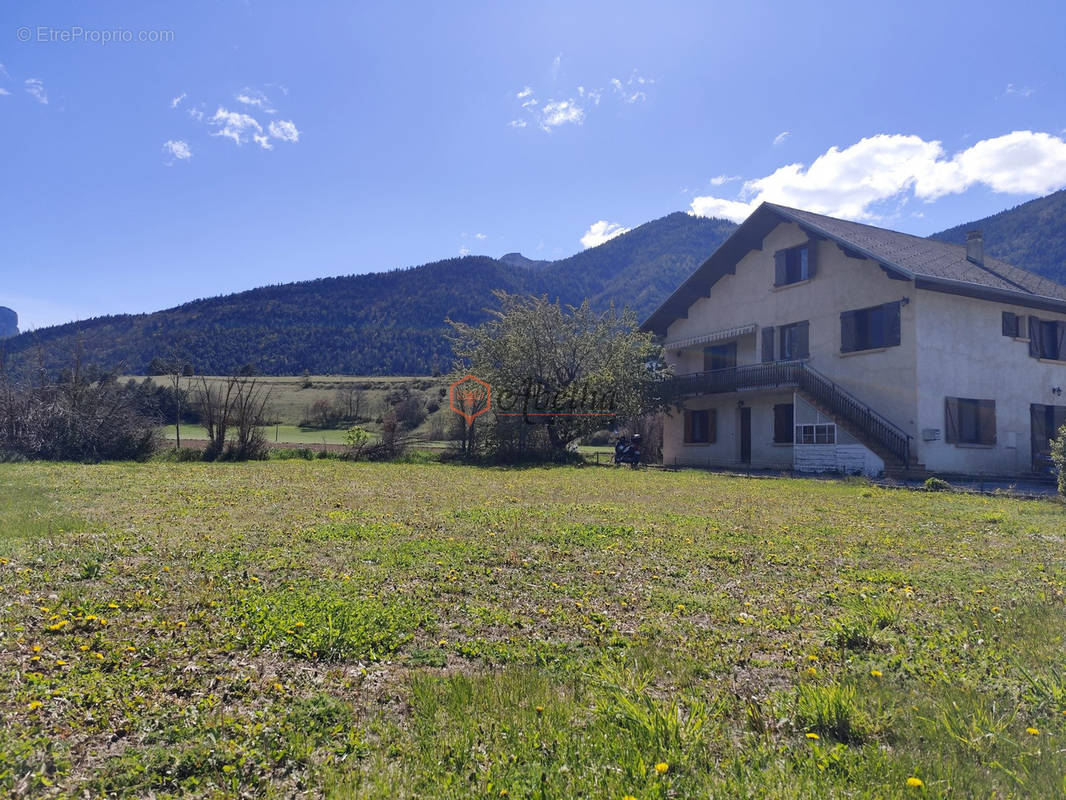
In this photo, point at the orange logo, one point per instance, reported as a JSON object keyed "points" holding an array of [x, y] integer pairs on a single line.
{"points": [[469, 397]]}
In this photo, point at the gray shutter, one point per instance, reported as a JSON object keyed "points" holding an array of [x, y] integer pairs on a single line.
{"points": [[712, 426], [802, 340], [812, 258], [1060, 329], [768, 343], [847, 332], [986, 421], [1035, 329], [1010, 324], [951, 420], [688, 427], [892, 334], [780, 267]]}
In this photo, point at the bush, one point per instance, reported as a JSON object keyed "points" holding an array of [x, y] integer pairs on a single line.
{"points": [[1058, 458], [935, 484]]}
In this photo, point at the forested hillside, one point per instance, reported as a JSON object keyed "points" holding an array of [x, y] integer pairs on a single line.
{"points": [[389, 323]]}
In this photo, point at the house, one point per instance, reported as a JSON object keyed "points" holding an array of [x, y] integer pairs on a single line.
{"points": [[817, 344]]}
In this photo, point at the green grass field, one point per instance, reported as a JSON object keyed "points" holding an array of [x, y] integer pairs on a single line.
{"points": [[387, 630]]}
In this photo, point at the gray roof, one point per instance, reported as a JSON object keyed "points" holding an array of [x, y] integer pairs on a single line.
{"points": [[929, 263]]}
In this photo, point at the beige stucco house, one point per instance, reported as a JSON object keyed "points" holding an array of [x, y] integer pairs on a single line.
{"points": [[817, 344]]}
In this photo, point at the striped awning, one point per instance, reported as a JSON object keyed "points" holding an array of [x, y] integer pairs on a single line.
{"points": [[713, 336]]}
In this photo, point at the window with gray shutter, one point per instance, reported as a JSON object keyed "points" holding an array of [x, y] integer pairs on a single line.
{"points": [[870, 328], [793, 265], [969, 421], [812, 258], [780, 268], [1035, 348], [794, 341]]}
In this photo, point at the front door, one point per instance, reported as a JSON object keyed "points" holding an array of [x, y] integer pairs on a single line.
{"points": [[745, 435]]}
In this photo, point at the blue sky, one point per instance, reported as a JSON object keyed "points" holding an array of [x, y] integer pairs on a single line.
{"points": [[265, 142]]}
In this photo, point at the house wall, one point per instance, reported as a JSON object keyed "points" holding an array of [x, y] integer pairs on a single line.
{"points": [[847, 454], [883, 379], [725, 451], [963, 353]]}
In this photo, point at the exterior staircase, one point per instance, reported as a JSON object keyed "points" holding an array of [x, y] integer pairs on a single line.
{"points": [[887, 440]]}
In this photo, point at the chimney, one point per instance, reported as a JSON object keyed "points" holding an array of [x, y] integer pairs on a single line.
{"points": [[975, 247]]}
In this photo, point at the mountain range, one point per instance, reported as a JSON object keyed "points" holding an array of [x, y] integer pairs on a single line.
{"points": [[393, 323]]}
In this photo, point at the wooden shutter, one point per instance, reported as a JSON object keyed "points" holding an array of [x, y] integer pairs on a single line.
{"points": [[688, 427], [892, 326], [783, 416], [712, 426], [1010, 323], [801, 340], [848, 332], [780, 267], [768, 343], [951, 420], [1035, 330], [812, 258], [986, 421]]}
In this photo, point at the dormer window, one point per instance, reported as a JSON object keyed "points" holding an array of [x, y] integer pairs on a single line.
{"points": [[794, 265]]}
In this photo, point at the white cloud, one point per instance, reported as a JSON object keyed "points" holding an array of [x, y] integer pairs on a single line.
{"points": [[480, 236], [719, 180], [556, 66], [526, 92], [1023, 91], [780, 138], [235, 125], [35, 88], [517, 123], [176, 150], [196, 113], [464, 251], [630, 92], [848, 182], [254, 97], [177, 100], [4, 92], [262, 141], [600, 232], [562, 112], [284, 130]]}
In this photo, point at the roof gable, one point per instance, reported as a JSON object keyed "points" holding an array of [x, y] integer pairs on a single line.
{"points": [[931, 264]]}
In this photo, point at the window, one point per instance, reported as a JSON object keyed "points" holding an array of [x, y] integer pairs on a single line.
{"points": [[1047, 339], [700, 426], [1010, 325], [794, 341], [721, 356], [795, 264], [969, 421], [783, 428], [816, 434], [870, 328]]}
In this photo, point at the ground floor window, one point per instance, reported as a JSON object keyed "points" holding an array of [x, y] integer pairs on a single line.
{"points": [[700, 426], [816, 434], [970, 421], [783, 416]]}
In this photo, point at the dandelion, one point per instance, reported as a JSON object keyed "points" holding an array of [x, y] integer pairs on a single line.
{"points": [[443, 642], [112, 605], [812, 671], [662, 767], [34, 705], [1033, 731], [58, 626], [60, 662], [628, 797], [181, 624], [877, 673], [36, 648], [814, 737], [278, 687], [915, 783], [539, 710], [98, 656], [680, 606]]}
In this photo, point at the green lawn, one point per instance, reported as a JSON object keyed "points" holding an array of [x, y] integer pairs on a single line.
{"points": [[387, 630]]}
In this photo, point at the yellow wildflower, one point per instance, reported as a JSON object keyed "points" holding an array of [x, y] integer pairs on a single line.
{"points": [[662, 767], [813, 736], [877, 673], [34, 705], [1032, 731], [915, 783]]}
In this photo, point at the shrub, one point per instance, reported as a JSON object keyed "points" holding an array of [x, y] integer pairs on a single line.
{"points": [[1058, 458], [935, 484]]}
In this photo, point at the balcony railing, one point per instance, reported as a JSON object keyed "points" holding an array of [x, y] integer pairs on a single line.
{"points": [[836, 401]]}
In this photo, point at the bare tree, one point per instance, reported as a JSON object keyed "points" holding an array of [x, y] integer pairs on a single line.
{"points": [[350, 398], [215, 404], [249, 415]]}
